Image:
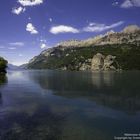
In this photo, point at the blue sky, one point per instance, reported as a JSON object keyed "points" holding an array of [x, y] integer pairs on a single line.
{"points": [[29, 26]]}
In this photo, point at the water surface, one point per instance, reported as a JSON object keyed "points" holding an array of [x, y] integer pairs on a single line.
{"points": [[58, 105]]}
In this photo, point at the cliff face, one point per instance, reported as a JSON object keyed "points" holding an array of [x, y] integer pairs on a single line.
{"points": [[101, 62], [111, 51], [3, 65]]}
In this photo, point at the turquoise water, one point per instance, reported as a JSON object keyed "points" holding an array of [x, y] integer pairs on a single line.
{"points": [[59, 105]]}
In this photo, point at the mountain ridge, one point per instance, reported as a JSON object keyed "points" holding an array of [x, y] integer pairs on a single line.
{"points": [[98, 40], [73, 54]]}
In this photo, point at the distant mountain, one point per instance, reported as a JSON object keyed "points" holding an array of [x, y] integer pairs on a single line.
{"points": [[112, 51], [12, 67]]}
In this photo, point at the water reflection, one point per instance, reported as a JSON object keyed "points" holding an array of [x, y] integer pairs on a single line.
{"points": [[102, 79], [24, 114], [115, 90], [55, 105], [3, 81]]}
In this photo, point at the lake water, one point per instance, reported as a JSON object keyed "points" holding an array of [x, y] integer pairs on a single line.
{"points": [[59, 105]]}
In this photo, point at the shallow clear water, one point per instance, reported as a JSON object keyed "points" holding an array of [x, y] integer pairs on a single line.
{"points": [[59, 105]]}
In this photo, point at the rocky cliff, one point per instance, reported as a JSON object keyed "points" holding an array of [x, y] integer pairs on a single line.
{"points": [[112, 51], [101, 62]]}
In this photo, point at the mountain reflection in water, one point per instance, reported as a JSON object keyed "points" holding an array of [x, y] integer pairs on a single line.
{"points": [[112, 89], [61, 105]]}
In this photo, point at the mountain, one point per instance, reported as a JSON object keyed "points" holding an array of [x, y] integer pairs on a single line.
{"points": [[23, 66], [12, 67], [129, 35], [112, 51], [3, 65]]}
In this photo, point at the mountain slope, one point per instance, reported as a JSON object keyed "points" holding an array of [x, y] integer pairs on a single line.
{"points": [[124, 47]]}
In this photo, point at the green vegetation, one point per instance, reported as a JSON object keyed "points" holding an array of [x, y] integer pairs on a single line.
{"points": [[127, 56], [3, 65]]}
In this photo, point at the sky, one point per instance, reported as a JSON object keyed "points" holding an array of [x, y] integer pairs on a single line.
{"points": [[27, 27]]}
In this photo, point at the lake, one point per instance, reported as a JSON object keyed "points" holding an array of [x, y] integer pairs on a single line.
{"points": [[62, 105]]}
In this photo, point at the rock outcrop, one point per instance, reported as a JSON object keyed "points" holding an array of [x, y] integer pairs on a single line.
{"points": [[110, 63], [97, 62], [100, 62], [84, 67]]}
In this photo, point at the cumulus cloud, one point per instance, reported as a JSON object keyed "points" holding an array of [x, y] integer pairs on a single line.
{"points": [[96, 27], [18, 44], [18, 10], [30, 2], [130, 3], [43, 46], [30, 28], [63, 29]]}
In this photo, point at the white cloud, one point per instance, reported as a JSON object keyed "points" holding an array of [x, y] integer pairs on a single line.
{"points": [[30, 28], [92, 27], [130, 3], [18, 44], [50, 19], [127, 4], [43, 43], [30, 2], [43, 46], [18, 10], [63, 29], [43, 40], [96, 27]]}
